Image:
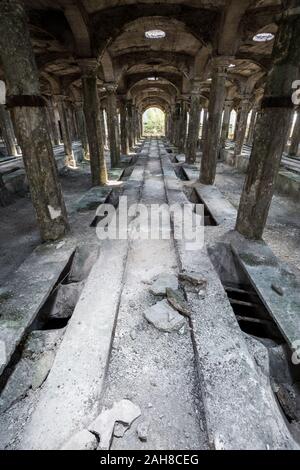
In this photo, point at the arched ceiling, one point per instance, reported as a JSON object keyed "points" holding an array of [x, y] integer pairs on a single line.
{"points": [[114, 32]]}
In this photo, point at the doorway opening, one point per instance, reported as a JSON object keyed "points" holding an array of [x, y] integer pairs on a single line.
{"points": [[154, 122]]}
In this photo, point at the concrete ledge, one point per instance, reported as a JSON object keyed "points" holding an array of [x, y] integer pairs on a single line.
{"points": [[97, 195], [15, 181], [288, 183], [23, 296], [222, 211]]}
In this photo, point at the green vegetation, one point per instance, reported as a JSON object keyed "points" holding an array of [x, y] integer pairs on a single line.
{"points": [[154, 122]]}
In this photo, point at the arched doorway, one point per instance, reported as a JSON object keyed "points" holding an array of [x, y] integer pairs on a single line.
{"points": [[154, 122]]}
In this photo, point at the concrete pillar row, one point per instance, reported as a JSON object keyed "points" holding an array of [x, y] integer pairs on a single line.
{"points": [[91, 107], [7, 130], [29, 115], [216, 103], [295, 142], [113, 124], [271, 127], [194, 124]]}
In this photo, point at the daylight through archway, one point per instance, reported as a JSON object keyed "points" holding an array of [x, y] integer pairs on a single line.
{"points": [[154, 122]]}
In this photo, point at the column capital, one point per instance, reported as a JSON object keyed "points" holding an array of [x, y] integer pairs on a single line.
{"points": [[88, 66], [110, 87], [229, 103], [196, 87], [221, 63]]}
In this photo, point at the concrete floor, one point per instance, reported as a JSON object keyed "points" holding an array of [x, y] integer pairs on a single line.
{"points": [[157, 371]]}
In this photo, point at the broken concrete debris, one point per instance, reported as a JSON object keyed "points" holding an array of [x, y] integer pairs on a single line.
{"points": [[123, 411], [142, 431], [163, 317], [277, 289], [177, 301], [162, 282], [111, 422], [83, 440], [193, 278]]}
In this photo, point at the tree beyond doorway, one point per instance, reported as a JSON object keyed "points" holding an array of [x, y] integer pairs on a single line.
{"points": [[154, 122]]}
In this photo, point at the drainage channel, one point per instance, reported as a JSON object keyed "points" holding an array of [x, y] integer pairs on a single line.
{"points": [[193, 196], [255, 321]]}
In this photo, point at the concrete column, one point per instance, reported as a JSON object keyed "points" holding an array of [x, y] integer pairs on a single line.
{"points": [[8, 131], [177, 124], [92, 119], [194, 125], [237, 123], [103, 128], [134, 138], [215, 109], [252, 126], [172, 125], [113, 125], [242, 128], [129, 124], [204, 125], [29, 114], [183, 126], [271, 127], [82, 131], [54, 123], [294, 147], [65, 129], [124, 127], [226, 122]]}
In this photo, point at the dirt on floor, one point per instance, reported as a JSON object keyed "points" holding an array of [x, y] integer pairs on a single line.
{"points": [[282, 232], [19, 234]]}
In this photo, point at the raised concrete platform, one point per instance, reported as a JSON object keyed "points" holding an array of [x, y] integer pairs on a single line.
{"points": [[288, 183], [22, 297]]}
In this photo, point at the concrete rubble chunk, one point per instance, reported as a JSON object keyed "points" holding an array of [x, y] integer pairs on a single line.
{"points": [[193, 278], [120, 429], [142, 431], [164, 317], [162, 282], [177, 301], [83, 440], [123, 411]]}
